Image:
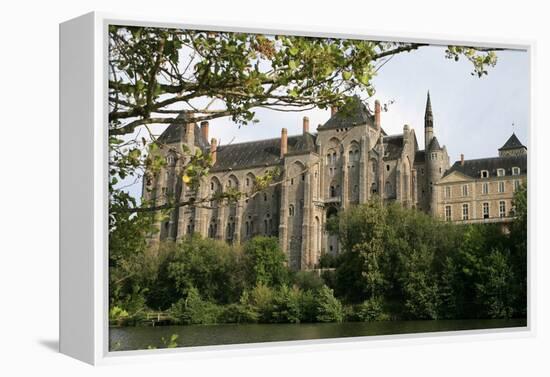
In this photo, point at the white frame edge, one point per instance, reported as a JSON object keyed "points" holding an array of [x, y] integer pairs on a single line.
{"points": [[84, 198]]}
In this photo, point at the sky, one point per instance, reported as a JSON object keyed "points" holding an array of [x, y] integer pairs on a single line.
{"points": [[472, 116]]}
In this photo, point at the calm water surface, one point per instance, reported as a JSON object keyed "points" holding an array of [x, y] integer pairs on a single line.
{"points": [[132, 338]]}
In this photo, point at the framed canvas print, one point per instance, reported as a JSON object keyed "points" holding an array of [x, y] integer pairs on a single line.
{"points": [[243, 186]]}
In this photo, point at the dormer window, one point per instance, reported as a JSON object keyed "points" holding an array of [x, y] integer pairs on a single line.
{"points": [[516, 170], [484, 174], [501, 173]]}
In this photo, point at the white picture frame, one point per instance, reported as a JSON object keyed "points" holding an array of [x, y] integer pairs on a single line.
{"points": [[83, 180]]}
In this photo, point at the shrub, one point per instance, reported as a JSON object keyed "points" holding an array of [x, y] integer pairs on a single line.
{"points": [[261, 298], [371, 310], [286, 305], [117, 314], [329, 309], [308, 280], [194, 310]]}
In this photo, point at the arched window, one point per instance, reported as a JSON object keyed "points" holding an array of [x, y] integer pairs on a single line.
{"points": [[374, 188], [388, 188], [332, 191], [291, 210]]}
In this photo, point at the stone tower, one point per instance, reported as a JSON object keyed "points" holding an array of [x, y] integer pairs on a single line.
{"points": [[437, 159]]}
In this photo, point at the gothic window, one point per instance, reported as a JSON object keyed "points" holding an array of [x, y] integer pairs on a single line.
{"points": [[332, 191], [291, 210]]}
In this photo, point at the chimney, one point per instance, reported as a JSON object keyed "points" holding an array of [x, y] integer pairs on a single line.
{"points": [[377, 110], [333, 110], [213, 150], [305, 125], [462, 159], [204, 130], [190, 134], [284, 142]]}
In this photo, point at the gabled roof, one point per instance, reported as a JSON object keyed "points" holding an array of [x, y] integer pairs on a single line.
{"points": [[174, 132], [512, 143], [261, 152], [393, 146], [353, 113], [473, 168]]}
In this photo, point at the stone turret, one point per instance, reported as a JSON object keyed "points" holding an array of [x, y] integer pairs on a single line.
{"points": [[428, 123]]}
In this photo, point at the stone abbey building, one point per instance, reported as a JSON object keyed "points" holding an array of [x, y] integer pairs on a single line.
{"points": [[349, 160]]}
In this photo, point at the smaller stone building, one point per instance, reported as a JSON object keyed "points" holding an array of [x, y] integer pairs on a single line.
{"points": [[482, 190]]}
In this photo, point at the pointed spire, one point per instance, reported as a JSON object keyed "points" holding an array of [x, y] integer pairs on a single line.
{"points": [[428, 113]]}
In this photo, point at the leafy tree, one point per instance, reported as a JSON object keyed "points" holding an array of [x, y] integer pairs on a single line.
{"points": [[420, 285], [264, 262], [518, 255], [496, 286], [361, 231], [162, 76], [213, 267]]}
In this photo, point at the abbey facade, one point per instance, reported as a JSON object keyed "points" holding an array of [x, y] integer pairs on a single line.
{"points": [[348, 161]]}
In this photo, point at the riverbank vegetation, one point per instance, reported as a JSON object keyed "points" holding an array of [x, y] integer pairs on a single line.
{"points": [[395, 264]]}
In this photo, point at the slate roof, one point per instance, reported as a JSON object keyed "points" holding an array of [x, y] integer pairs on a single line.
{"points": [[473, 168], [434, 145], [420, 157], [393, 146], [512, 143], [261, 152], [173, 134], [354, 113]]}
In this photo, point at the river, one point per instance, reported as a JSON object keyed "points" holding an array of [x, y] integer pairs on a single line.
{"points": [[132, 338]]}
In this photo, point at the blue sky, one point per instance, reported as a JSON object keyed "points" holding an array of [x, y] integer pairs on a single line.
{"points": [[472, 115]]}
